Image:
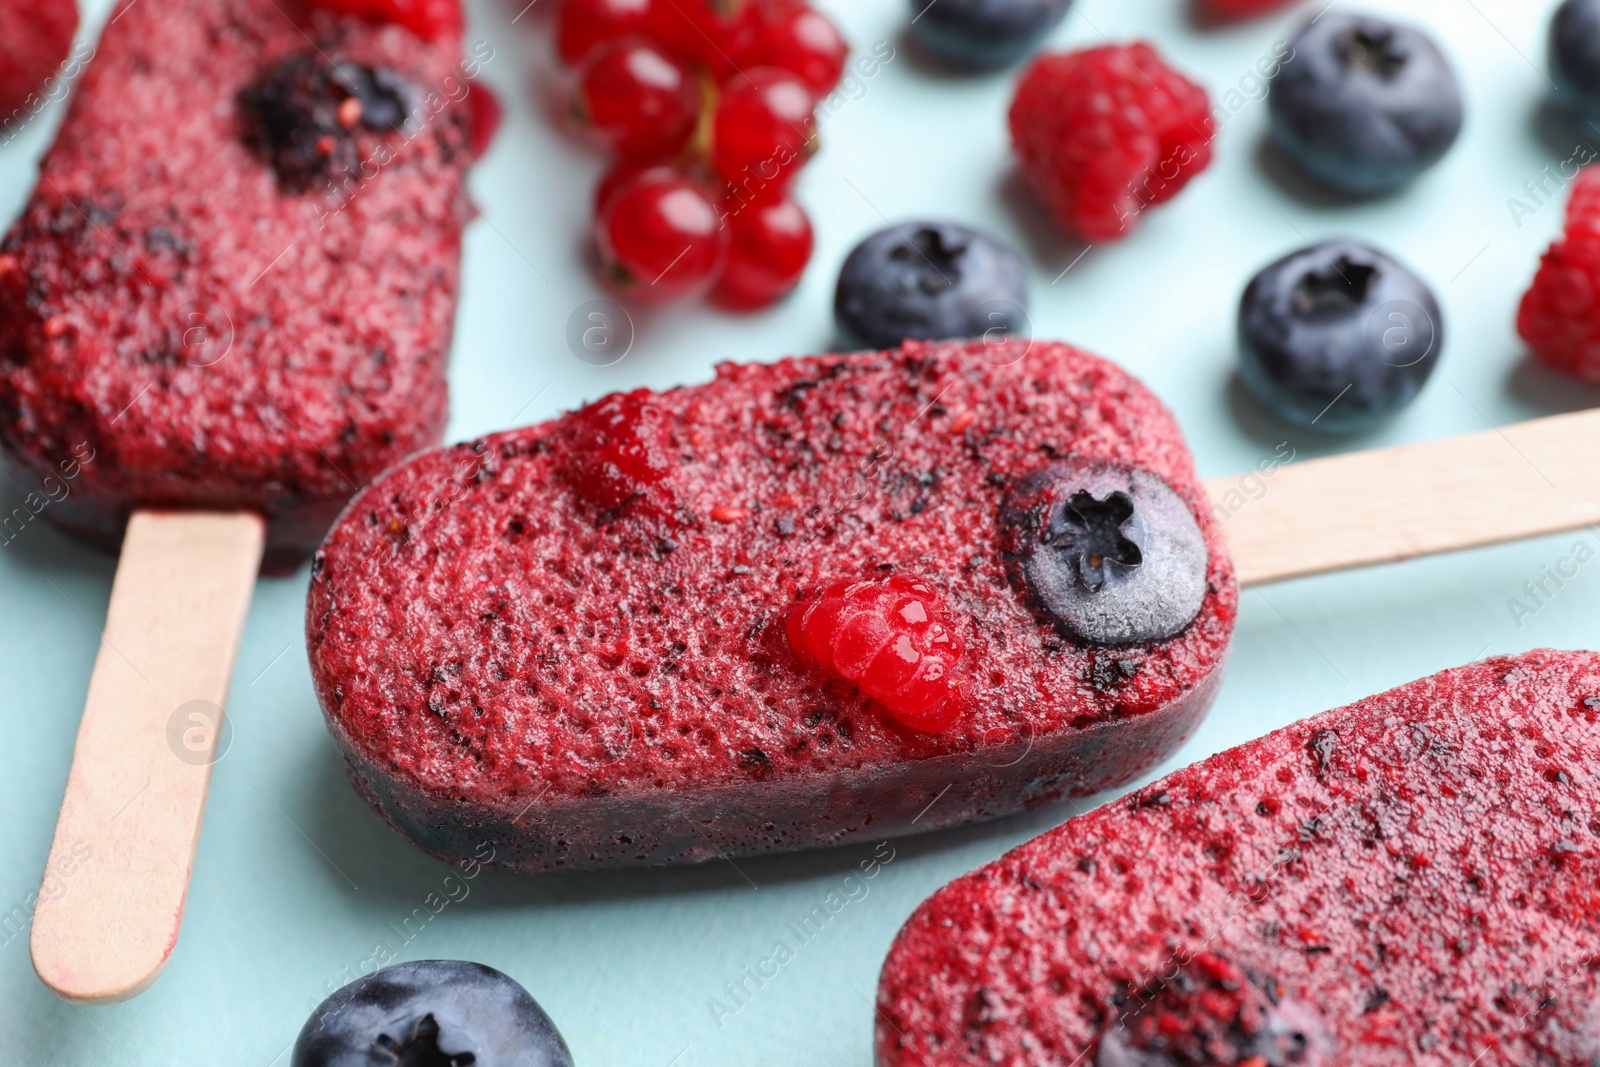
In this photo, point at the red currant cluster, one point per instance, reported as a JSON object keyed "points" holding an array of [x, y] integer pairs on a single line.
{"points": [[709, 108]]}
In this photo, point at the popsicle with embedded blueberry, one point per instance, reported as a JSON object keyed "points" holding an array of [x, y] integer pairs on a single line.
{"points": [[1410, 880], [227, 305], [792, 606], [837, 596]]}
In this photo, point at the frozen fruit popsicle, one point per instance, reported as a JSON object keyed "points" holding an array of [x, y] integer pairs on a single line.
{"points": [[842, 595], [1412, 880], [227, 306], [797, 604], [34, 38]]}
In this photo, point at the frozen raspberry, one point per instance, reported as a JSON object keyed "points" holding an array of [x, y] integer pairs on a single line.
{"points": [[34, 38], [426, 18], [1241, 9], [1106, 132], [619, 451], [1560, 313], [891, 638], [1583, 210]]}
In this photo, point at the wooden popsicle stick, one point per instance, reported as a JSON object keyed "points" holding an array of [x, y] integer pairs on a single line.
{"points": [[112, 900], [1524, 480]]}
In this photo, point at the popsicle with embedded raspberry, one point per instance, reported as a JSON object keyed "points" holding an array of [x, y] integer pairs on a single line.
{"points": [[1410, 880], [837, 596], [227, 305]]}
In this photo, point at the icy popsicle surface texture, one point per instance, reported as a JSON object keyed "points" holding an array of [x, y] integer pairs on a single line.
{"points": [[235, 285], [1410, 880], [799, 604]]}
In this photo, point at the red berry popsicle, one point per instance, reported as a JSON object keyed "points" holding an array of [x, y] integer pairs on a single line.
{"points": [[1409, 881], [227, 305], [836, 596], [243, 306], [798, 604]]}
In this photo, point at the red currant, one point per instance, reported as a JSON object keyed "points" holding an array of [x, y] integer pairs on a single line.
{"points": [[893, 640], [660, 238], [713, 33], [425, 18], [623, 174], [769, 246], [636, 100], [581, 25], [804, 42], [764, 129]]}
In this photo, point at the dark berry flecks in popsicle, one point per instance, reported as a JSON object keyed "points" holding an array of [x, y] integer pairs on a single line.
{"points": [[569, 640], [1410, 881]]}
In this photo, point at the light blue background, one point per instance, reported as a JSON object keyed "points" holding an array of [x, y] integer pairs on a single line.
{"points": [[297, 881]]}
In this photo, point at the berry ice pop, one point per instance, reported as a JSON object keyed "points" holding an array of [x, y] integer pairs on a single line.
{"points": [[227, 305], [1411, 880], [840, 595], [246, 305]]}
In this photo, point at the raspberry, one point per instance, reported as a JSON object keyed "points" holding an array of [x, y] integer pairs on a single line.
{"points": [[892, 640], [660, 237], [1583, 209], [34, 38], [1106, 132], [619, 452], [425, 18], [636, 101], [1242, 9], [1560, 313], [769, 246]]}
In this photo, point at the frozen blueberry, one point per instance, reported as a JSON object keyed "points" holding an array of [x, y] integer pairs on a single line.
{"points": [[985, 34], [1113, 556], [301, 116], [1338, 336], [929, 281], [1575, 56], [431, 1013], [1363, 104]]}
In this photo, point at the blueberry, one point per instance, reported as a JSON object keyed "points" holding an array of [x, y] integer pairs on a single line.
{"points": [[1338, 336], [431, 1013], [1575, 56], [1113, 556], [1363, 104], [929, 281], [985, 34], [302, 114]]}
